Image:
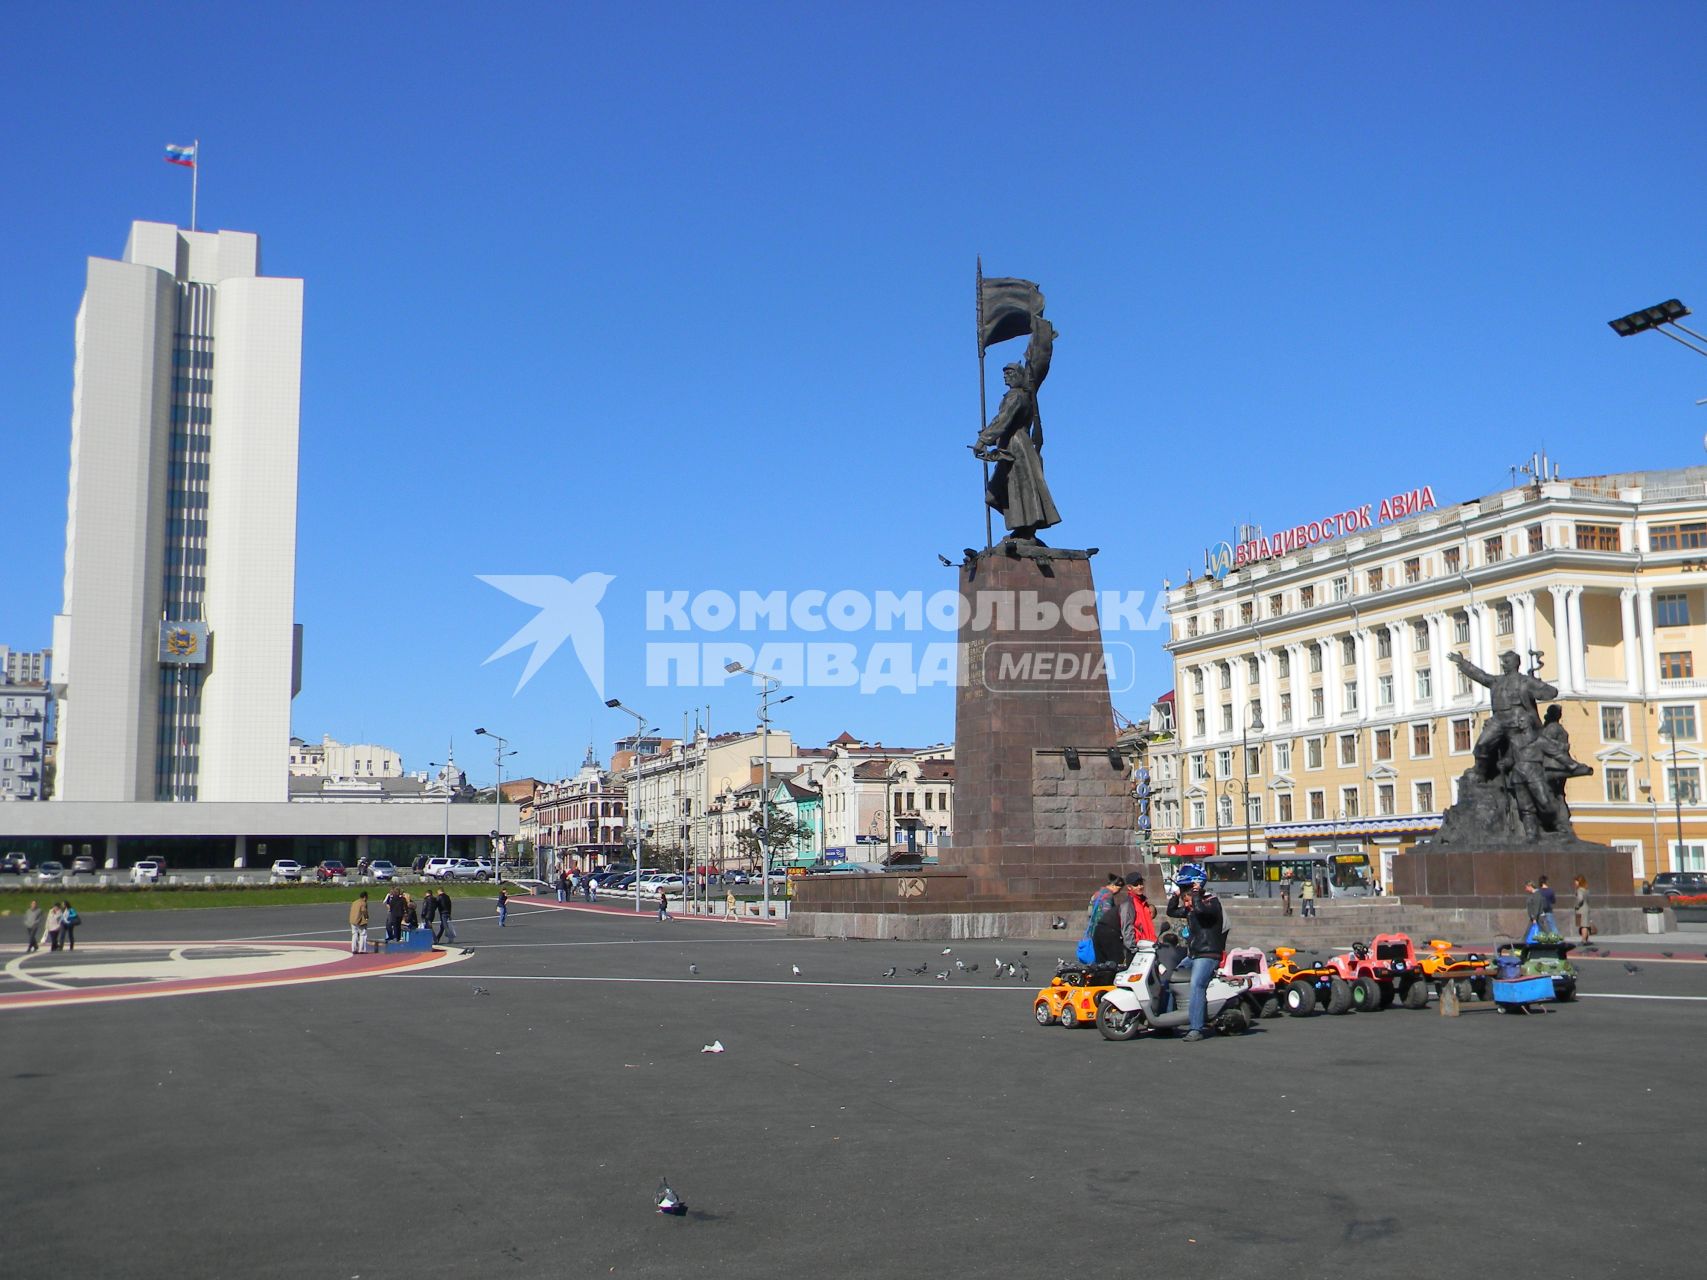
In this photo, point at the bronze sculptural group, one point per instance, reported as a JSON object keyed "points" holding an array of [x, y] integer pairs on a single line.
{"points": [[1514, 792]]}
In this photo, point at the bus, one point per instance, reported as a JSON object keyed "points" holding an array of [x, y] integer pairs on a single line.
{"points": [[1338, 873]]}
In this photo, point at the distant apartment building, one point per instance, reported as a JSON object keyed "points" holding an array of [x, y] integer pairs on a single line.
{"points": [[879, 801], [24, 712], [25, 666], [579, 821], [330, 758]]}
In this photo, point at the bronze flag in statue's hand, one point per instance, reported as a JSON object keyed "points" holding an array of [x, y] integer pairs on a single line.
{"points": [[1006, 308]]}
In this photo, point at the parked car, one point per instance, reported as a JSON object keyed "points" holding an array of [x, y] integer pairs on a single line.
{"points": [[330, 869], [15, 863], [148, 871], [462, 869], [83, 865], [435, 868], [1671, 884], [734, 877], [51, 870], [381, 870], [286, 869]]}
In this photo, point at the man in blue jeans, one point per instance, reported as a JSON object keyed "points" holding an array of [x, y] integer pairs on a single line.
{"points": [[1206, 938]]}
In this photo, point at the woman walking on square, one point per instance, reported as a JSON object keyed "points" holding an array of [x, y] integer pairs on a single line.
{"points": [[1580, 909], [55, 922], [32, 926], [68, 922]]}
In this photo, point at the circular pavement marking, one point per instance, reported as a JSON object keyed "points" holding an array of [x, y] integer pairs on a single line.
{"points": [[97, 972]]}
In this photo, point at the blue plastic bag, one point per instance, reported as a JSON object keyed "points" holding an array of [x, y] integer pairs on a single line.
{"points": [[1087, 951]]}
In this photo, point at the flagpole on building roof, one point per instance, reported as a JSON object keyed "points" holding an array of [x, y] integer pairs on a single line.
{"points": [[195, 179], [983, 410]]}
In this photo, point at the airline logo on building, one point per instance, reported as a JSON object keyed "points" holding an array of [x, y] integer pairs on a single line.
{"points": [[1334, 525]]}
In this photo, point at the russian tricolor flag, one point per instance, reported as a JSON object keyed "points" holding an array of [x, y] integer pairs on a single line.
{"points": [[185, 156]]}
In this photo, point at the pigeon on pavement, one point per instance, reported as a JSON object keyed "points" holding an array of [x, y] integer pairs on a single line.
{"points": [[889, 972], [796, 969], [667, 1200], [922, 970], [481, 991], [693, 968], [1666, 954], [1060, 922], [943, 976], [1632, 968], [960, 964], [972, 968], [948, 951]]}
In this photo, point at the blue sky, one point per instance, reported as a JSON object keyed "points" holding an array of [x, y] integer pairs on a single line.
{"points": [[682, 294]]}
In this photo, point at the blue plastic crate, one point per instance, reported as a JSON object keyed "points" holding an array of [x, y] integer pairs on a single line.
{"points": [[1523, 990]]}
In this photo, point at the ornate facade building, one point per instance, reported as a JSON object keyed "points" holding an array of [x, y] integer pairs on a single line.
{"points": [[1320, 669]]}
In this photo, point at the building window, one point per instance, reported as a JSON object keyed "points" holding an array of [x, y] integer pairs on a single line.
{"points": [[1253, 759], [1307, 597], [1224, 810], [1678, 665], [1348, 748], [1200, 723], [1200, 768], [1422, 742], [1384, 804], [1612, 724], [1419, 637], [1671, 609], [1318, 805], [1460, 735], [1460, 628], [1348, 801], [1246, 609], [1251, 670], [1683, 783], [1317, 704], [1383, 643], [1191, 626], [1414, 569], [1197, 681], [1312, 753], [1383, 691], [1342, 588], [1450, 558], [1315, 659], [1350, 696], [1425, 683], [1493, 549], [1674, 537], [1617, 785], [1283, 806], [1678, 722], [1461, 684], [1226, 672], [1606, 537], [1224, 763], [1286, 708], [1537, 542], [1197, 813], [1424, 796], [1215, 620], [1227, 718], [1283, 757], [1253, 810], [1276, 606], [1348, 651], [1377, 579], [1283, 664], [1502, 619]]}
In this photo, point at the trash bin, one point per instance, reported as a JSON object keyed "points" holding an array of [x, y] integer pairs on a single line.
{"points": [[1654, 918]]}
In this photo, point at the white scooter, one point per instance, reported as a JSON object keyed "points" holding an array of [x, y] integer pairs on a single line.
{"points": [[1136, 1002]]}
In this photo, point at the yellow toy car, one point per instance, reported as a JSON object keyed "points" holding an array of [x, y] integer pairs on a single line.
{"points": [[1070, 999]]}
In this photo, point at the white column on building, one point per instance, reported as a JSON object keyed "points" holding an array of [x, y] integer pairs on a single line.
{"points": [[1296, 682], [1562, 636], [1207, 703], [1404, 689], [1579, 644], [1632, 640], [1365, 671], [1330, 680], [1265, 688], [1444, 674], [1650, 649], [1523, 623], [1478, 634]]}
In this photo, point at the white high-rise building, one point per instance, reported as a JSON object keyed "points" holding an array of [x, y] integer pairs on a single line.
{"points": [[176, 656]]}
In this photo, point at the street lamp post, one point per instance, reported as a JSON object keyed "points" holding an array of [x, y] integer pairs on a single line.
{"points": [[1251, 721], [767, 686], [634, 792], [500, 751], [447, 767]]}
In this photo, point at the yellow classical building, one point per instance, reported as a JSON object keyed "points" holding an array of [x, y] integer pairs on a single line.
{"points": [[1317, 664]]}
